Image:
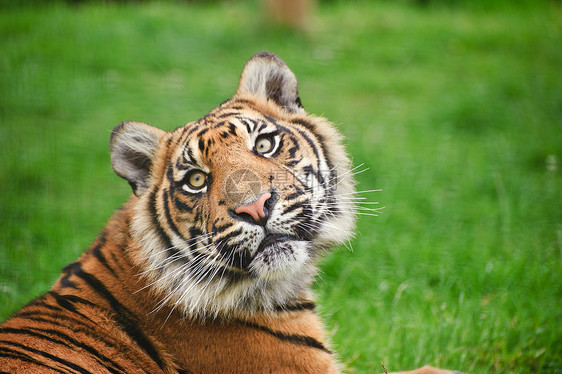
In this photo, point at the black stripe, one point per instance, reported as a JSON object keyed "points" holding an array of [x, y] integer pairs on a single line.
{"points": [[193, 242], [21, 357], [53, 320], [202, 132], [296, 307], [96, 251], [102, 236], [65, 281], [294, 143], [293, 162], [171, 223], [64, 320], [189, 160], [312, 129], [172, 192], [242, 101], [236, 259], [68, 268], [184, 371], [191, 157], [197, 217], [169, 142], [67, 342], [181, 162], [207, 151], [245, 122], [290, 208], [71, 298], [191, 130], [39, 303], [232, 234], [63, 302], [156, 225], [218, 125], [58, 318], [123, 317], [291, 338], [307, 171], [228, 114], [115, 256], [49, 356], [293, 150], [210, 142], [180, 205], [219, 229], [263, 125], [312, 144], [306, 228], [294, 195], [270, 119]]}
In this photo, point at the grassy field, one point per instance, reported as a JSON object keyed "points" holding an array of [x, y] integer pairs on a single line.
{"points": [[456, 113]]}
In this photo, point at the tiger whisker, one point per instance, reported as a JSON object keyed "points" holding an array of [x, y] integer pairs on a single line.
{"points": [[359, 192], [368, 214], [198, 276], [340, 178], [197, 238], [172, 273], [172, 258], [372, 209], [212, 278]]}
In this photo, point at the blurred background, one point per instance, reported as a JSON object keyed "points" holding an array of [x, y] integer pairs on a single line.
{"points": [[452, 109]]}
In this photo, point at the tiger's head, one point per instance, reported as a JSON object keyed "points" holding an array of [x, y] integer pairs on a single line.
{"points": [[233, 211]]}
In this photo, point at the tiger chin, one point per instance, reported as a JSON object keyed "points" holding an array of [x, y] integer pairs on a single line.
{"points": [[208, 267]]}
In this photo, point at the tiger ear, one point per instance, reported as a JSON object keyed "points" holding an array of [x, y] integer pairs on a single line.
{"points": [[267, 76], [133, 148]]}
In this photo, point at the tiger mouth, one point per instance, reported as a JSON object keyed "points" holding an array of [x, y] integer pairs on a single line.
{"points": [[272, 239], [279, 257]]}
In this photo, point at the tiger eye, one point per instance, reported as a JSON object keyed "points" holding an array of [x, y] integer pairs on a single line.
{"points": [[196, 179], [264, 145]]}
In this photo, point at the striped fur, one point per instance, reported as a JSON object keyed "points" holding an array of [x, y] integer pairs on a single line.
{"points": [[207, 269]]}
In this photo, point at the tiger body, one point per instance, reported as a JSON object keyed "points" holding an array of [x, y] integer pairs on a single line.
{"points": [[89, 323], [208, 267]]}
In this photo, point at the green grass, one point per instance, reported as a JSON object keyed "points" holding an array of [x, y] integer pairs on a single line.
{"points": [[456, 112]]}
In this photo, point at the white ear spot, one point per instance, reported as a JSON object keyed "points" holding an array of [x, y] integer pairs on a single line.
{"points": [[133, 148], [267, 76]]}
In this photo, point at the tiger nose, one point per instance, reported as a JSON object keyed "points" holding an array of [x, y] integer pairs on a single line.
{"points": [[256, 209]]}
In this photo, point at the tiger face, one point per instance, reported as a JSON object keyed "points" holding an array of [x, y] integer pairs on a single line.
{"points": [[233, 211]]}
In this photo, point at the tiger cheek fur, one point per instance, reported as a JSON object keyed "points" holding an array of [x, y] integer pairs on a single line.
{"points": [[207, 269]]}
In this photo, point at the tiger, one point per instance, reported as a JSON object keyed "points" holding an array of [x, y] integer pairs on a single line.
{"points": [[208, 267]]}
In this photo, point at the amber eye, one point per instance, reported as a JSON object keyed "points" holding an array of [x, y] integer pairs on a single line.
{"points": [[264, 144], [196, 179]]}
